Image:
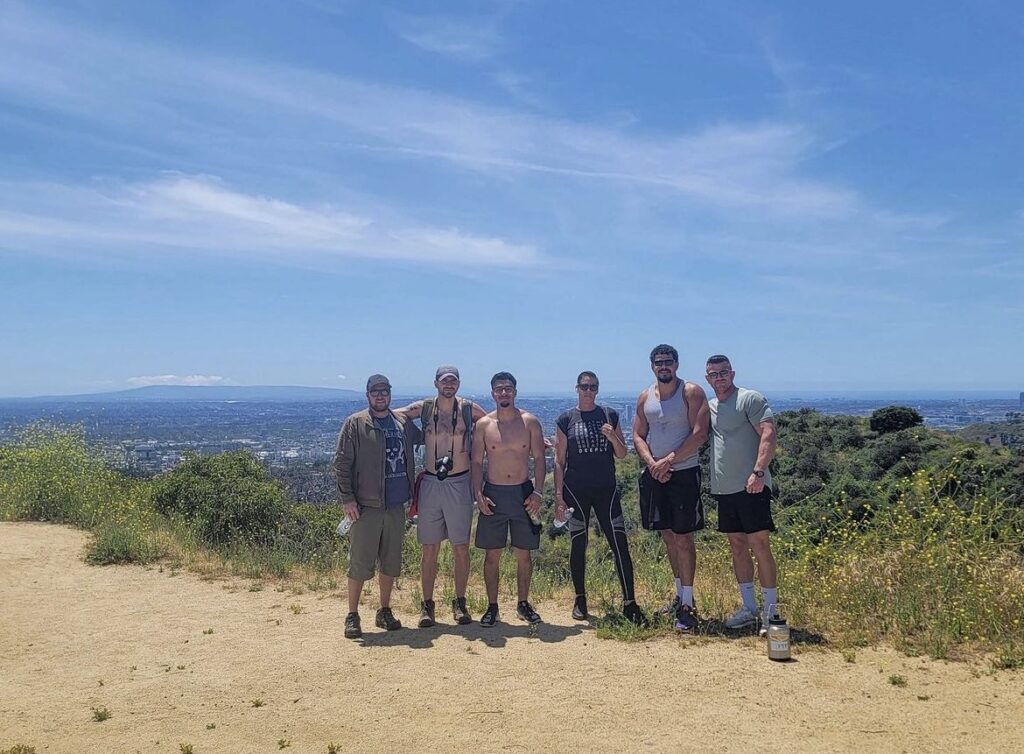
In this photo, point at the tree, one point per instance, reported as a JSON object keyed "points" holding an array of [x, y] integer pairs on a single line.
{"points": [[894, 418]]}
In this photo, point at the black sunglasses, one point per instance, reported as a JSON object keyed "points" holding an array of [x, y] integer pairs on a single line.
{"points": [[587, 386]]}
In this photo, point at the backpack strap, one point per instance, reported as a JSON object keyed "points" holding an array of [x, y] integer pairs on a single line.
{"points": [[467, 419]]}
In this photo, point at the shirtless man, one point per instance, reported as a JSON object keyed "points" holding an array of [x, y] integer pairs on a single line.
{"points": [[670, 427], [445, 499], [508, 438]]}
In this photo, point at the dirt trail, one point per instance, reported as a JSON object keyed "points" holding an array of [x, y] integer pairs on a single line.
{"points": [[66, 626]]}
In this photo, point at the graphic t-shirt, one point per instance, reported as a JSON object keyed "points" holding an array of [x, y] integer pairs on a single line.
{"points": [[589, 458], [396, 481]]}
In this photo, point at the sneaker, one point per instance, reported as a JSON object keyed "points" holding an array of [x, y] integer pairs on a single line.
{"points": [[742, 618], [525, 611], [670, 608], [763, 629], [686, 619], [635, 615], [427, 614], [490, 615], [352, 628], [579, 607], [386, 619], [459, 611]]}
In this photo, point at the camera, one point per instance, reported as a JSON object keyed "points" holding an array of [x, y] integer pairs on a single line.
{"points": [[442, 467]]}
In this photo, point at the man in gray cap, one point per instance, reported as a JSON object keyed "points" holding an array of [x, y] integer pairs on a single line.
{"points": [[375, 467], [445, 496]]}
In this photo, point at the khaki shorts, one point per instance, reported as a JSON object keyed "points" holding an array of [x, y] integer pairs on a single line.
{"points": [[376, 536]]}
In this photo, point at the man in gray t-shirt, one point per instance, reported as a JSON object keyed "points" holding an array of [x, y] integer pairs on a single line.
{"points": [[742, 447]]}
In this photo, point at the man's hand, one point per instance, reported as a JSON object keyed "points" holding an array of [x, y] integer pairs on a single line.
{"points": [[548, 445], [608, 431], [662, 469], [561, 512], [755, 484], [532, 503], [485, 505], [352, 511]]}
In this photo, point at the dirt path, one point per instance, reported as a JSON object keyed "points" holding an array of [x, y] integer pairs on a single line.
{"points": [[74, 637]]}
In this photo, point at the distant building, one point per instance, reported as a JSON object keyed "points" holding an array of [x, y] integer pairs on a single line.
{"points": [[1022, 400]]}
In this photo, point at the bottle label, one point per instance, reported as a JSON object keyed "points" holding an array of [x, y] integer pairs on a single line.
{"points": [[778, 646]]}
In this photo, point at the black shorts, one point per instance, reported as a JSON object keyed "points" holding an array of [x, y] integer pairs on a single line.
{"points": [[675, 504], [509, 519], [744, 512]]}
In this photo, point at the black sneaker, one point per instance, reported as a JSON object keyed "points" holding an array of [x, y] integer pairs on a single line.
{"points": [[686, 620], [459, 611], [352, 628], [635, 615], [427, 614], [579, 607], [525, 611], [490, 615], [386, 619]]}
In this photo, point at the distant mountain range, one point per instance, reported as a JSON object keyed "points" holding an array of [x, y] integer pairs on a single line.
{"points": [[194, 393]]}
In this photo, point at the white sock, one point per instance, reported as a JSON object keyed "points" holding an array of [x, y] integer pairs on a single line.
{"points": [[771, 599], [686, 595], [749, 596], [679, 590]]}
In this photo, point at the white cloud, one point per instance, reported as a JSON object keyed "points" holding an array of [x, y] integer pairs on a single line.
{"points": [[199, 213], [461, 39], [173, 379]]}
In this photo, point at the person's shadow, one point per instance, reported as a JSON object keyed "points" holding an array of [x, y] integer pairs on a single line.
{"points": [[497, 635]]}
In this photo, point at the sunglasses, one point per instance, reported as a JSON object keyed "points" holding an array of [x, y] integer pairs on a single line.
{"points": [[380, 393], [716, 375], [590, 388], [663, 362]]}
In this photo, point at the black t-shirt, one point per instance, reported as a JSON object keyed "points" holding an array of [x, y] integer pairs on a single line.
{"points": [[589, 458]]}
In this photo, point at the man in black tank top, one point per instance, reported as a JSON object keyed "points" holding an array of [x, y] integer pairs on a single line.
{"points": [[587, 442]]}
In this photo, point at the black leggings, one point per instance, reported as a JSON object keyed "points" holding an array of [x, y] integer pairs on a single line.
{"points": [[605, 504]]}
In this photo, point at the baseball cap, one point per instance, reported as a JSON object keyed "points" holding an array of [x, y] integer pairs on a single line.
{"points": [[447, 369], [375, 380]]}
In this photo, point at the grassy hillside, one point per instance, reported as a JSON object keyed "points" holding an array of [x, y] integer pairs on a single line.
{"points": [[912, 537]]}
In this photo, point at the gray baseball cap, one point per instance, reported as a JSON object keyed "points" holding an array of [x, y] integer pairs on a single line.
{"points": [[447, 369], [375, 380]]}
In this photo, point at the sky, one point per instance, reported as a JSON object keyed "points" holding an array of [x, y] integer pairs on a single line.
{"points": [[305, 192]]}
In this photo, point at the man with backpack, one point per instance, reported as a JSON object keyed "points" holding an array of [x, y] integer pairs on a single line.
{"points": [[444, 496]]}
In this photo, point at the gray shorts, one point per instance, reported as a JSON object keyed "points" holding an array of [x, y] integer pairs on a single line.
{"points": [[509, 518], [376, 536], [445, 510]]}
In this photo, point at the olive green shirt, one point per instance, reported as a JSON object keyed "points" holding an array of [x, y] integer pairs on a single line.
{"points": [[735, 439]]}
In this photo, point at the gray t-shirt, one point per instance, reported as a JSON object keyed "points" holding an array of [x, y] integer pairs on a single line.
{"points": [[396, 481], [735, 439]]}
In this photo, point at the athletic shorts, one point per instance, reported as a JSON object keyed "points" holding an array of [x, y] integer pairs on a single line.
{"points": [[675, 504], [444, 510], [744, 512], [376, 536], [508, 519]]}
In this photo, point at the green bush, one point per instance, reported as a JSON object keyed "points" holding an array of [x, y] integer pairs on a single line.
{"points": [[893, 419], [226, 498]]}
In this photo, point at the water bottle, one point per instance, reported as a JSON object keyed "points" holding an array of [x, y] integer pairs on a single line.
{"points": [[344, 525], [778, 637], [563, 524]]}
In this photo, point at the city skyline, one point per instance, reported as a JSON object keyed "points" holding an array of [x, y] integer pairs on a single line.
{"points": [[309, 192]]}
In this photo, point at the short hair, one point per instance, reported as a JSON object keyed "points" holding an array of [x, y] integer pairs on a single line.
{"points": [[587, 373], [664, 348], [502, 377], [719, 358]]}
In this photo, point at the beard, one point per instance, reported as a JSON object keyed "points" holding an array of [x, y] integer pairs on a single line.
{"points": [[665, 378], [505, 403]]}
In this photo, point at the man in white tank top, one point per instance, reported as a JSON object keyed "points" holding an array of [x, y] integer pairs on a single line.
{"points": [[670, 427]]}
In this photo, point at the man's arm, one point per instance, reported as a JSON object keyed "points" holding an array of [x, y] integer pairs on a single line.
{"points": [[699, 414], [765, 454], [476, 470], [478, 412], [561, 446], [640, 430], [412, 411], [537, 449], [344, 461]]}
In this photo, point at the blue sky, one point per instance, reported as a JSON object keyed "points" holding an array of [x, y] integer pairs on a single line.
{"points": [[304, 192]]}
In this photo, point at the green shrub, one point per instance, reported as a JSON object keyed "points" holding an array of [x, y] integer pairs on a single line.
{"points": [[226, 498], [893, 419]]}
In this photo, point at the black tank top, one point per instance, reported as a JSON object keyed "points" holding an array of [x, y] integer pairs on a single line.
{"points": [[589, 458]]}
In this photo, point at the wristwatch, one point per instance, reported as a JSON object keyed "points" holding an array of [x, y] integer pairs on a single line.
{"points": [[759, 474]]}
